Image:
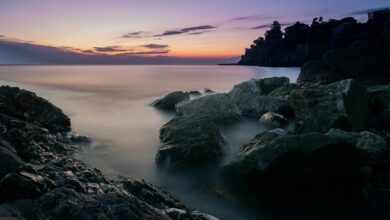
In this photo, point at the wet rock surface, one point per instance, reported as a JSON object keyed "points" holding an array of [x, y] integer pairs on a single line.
{"points": [[344, 104], [38, 164], [217, 107], [189, 142], [169, 101], [278, 158]]}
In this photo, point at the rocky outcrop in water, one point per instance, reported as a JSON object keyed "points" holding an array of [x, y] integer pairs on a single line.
{"points": [[252, 100], [169, 101], [278, 158], [38, 166], [220, 108], [188, 141], [344, 104]]}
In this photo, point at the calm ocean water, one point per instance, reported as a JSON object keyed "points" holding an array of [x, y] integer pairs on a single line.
{"points": [[111, 105]]}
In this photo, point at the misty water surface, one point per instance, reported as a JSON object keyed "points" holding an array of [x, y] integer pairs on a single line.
{"points": [[111, 104]]}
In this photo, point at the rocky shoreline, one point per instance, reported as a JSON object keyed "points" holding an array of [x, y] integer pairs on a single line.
{"points": [[323, 137], [40, 177]]}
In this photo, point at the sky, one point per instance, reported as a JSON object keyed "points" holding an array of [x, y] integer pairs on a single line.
{"points": [[197, 29]]}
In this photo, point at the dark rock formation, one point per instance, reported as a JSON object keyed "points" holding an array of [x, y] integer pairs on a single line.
{"points": [[189, 141], [218, 107], [27, 106], [343, 104], [277, 158], [169, 101], [250, 96], [38, 165]]}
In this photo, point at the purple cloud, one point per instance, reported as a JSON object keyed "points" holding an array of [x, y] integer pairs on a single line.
{"points": [[154, 52], [186, 30], [155, 46], [135, 35], [111, 49]]}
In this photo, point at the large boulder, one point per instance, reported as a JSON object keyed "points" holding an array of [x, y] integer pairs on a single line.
{"points": [[277, 158], [250, 96], [9, 161], [22, 185], [28, 106], [189, 142], [218, 107], [344, 104], [169, 101]]}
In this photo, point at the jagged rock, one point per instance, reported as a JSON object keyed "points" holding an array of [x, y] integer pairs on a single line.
{"points": [[151, 194], [9, 211], [64, 203], [195, 93], [284, 91], [250, 96], [273, 119], [380, 121], [189, 141], [208, 91], [180, 214], [21, 185], [169, 101], [277, 158], [344, 104], [218, 107], [28, 106], [39, 165], [9, 161]]}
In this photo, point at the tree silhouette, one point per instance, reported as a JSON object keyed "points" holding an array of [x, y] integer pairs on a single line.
{"points": [[275, 34]]}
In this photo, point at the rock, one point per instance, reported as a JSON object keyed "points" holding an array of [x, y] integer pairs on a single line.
{"points": [[195, 93], [274, 120], [284, 91], [373, 147], [275, 158], [63, 203], [28, 106], [255, 87], [208, 91], [380, 121], [380, 96], [250, 96], [189, 141], [218, 107], [21, 185], [376, 195], [9, 161], [169, 101], [344, 104], [151, 194], [180, 214], [9, 211]]}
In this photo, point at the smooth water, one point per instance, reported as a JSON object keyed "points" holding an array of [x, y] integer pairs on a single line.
{"points": [[111, 105]]}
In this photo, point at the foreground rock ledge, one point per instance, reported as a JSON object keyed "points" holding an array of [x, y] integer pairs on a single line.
{"points": [[37, 165]]}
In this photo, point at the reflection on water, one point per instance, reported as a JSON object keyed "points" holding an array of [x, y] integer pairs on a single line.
{"points": [[111, 104]]}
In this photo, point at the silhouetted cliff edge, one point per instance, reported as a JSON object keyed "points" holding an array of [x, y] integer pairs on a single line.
{"points": [[301, 43]]}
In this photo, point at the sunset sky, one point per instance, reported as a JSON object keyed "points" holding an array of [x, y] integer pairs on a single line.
{"points": [[178, 28]]}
